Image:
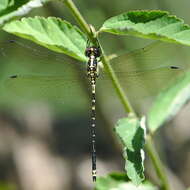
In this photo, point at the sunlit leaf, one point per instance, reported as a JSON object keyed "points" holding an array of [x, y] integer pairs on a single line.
{"points": [[169, 102], [10, 9], [4, 4], [120, 182], [132, 134], [52, 33], [154, 24]]}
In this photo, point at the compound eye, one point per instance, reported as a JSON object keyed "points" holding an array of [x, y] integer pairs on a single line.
{"points": [[97, 52], [93, 51], [88, 52]]}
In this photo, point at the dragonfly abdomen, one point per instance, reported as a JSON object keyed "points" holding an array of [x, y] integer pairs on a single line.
{"points": [[93, 53]]}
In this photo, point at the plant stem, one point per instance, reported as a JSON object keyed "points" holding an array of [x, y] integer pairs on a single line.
{"points": [[105, 61], [83, 24], [124, 100], [160, 170], [117, 86]]}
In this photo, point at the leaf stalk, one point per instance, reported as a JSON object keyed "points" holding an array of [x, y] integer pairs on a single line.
{"points": [[85, 27]]}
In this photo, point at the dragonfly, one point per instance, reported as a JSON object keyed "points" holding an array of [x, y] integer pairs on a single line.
{"points": [[142, 73]]}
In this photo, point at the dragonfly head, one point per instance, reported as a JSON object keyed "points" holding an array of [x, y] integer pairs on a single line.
{"points": [[95, 51]]}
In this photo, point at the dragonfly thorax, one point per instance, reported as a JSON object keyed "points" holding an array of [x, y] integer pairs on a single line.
{"points": [[92, 53], [95, 51], [92, 67]]}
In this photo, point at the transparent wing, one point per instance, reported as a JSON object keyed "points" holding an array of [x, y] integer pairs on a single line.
{"points": [[53, 87], [153, 56], [34, 73], [39, 72], [25, 57], [144, 72]]}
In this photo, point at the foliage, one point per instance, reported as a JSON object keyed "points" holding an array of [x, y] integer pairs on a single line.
{"points": [[68, 39], [158, 25], [170, 100], [10, 9], [119, 181], [132, 134]]}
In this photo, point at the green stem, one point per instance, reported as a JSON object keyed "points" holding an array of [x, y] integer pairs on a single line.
{"points": [[80, 19], [117, 86], [105, 61], [129, 109], [160, 170]]}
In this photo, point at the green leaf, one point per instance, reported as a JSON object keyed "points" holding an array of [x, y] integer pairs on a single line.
{"points": [[131, 131], [120, 182], [154, 24], [4, 4], [52, 33], [169, 102], [18, 8]]}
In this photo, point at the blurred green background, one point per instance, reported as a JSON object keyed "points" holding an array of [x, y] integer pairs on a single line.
{"points": [[44, 129]]}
